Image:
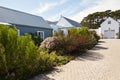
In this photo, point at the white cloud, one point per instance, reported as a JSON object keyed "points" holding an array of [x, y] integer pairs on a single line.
{"points": [[57, 16], [48, 6], [100, 5], [62, 2], [86, 2], [44, 8], [70, 10]]}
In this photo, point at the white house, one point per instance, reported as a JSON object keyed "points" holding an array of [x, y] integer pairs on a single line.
{"points": [[53, 25], [109, 29], [65, 23]]}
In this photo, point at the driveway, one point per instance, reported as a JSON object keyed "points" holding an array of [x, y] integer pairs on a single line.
{"points": [[100, 63]]}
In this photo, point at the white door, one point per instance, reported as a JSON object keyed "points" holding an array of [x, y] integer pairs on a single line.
{"points": [[109, 34]]}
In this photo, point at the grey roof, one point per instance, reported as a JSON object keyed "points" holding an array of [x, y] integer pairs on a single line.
{"points": [[52, 22], [66, 22], [17, 17]]}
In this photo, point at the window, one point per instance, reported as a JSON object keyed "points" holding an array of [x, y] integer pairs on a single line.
{"points": [[109, 22], [105, 30], [112, 30], [18, 31], [40, 34]]}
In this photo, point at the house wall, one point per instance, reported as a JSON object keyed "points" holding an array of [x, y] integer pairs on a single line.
{"points": [[54, 27], [29, 29], [109, 28], [119, 32], [96, 30], [113, 26], [65, 31], [62, 22]]}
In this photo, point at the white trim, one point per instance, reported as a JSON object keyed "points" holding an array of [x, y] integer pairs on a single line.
{"points": [[5, 23], [18, 31], [42, 33]]}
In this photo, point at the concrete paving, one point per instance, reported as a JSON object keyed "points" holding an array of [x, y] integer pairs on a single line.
{"points": [[100, 63]]}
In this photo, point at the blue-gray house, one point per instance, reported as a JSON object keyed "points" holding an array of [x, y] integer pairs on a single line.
{"points": [[25, 23]]}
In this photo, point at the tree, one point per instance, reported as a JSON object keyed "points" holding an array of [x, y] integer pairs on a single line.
{"points": [[94, 20]]}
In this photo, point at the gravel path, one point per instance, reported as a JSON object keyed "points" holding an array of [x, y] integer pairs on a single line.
{"points": [[100, 63]]}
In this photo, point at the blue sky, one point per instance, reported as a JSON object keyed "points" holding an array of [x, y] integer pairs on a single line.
{"points": [[53, 9]]}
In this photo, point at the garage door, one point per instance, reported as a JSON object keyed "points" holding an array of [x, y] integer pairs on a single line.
{"points": [[109, 34]]}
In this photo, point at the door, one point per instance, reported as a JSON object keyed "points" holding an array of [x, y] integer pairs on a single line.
{"points": [[109, 34], [40, 34]]}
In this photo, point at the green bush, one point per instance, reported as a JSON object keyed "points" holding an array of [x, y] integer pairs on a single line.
{"points": [[60, 60], [19, 57], [46, 60], [37, 40], [97, 37], [76, 40], [65, 42]]}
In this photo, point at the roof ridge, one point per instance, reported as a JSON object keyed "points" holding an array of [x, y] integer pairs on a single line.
{"points": [[23, 18], [19, 11], [69, 20]]}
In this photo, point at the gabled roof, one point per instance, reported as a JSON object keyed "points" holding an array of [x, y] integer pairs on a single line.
{"points": [[17, 17], [109, 19], [52, 22], [66, 22]]}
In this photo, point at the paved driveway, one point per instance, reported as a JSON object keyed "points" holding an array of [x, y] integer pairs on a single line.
{"points": [[100, 63]]}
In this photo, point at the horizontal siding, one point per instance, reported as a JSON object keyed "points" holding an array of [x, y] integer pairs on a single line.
{"points": [[29, 29]]}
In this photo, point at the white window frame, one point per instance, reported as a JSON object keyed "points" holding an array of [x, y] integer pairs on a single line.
{"points": [[40, 33], [18, 31]]}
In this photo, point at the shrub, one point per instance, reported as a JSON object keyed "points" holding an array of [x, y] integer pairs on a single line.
{"points": [[45, 60], [79, 40], [37, 40], [76, 40], [19, 57], [50, 44], [90, 44], [97, 37], [66, 42], [59, 33], [82, 39], [60, 60], [18, 54]]}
